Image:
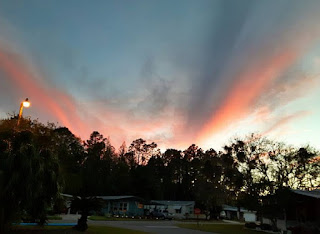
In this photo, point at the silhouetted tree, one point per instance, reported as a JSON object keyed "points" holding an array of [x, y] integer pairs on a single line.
{"points": [[84, 205], [30, 169], [142, 151]]}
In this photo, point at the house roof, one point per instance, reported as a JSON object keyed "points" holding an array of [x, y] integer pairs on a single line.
{"points": [[233, 208], [120, 198], [313, 193], [173, 203], [66, 195], [109, 197]]}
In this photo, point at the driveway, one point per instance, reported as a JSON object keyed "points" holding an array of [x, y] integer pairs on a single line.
{"points": [[167, 227]]}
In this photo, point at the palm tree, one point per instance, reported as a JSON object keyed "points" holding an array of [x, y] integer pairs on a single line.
{"points": [[84, 205]]}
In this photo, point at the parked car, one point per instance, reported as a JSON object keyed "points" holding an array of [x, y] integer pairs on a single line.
{"points": [[168, 215], [157, 214]]}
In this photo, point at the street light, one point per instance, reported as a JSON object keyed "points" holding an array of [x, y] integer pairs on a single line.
{"points": [[26, 104]]}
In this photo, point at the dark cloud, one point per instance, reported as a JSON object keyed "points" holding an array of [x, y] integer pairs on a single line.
{"points": [[157, 91], [209, 84]]}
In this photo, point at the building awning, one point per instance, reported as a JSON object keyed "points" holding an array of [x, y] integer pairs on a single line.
{"points": [[313, 193], [177, 207], [174, 203]]}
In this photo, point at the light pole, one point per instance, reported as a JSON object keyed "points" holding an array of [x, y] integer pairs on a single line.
{"points": [[26, 104]]}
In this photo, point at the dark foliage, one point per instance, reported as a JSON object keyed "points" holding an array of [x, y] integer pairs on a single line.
{"points": [[85, 205], [254, 173]]}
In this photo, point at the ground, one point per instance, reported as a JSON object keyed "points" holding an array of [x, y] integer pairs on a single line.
{"points": [[155, 226], [69, 230], [220, 228], [104, 218], [141, 226]]}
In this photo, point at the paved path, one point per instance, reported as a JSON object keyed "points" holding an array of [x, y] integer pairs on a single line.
{"points": [[167, 227]]}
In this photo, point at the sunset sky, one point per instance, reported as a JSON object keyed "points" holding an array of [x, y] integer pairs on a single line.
{"points": [[175, 72]]}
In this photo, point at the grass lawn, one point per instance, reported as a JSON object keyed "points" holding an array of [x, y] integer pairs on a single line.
{"points": [[104, 218], [99, 218], [220, 228], [68, 230], [203, 221], [54, 217]]}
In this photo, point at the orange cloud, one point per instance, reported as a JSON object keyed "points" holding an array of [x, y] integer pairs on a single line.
{"points": [[52, 104], [251, 83], [261, 61], [122, 125], [51, 101]]}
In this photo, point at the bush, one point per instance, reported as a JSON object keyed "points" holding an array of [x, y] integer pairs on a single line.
{"points": [[250, 225]]}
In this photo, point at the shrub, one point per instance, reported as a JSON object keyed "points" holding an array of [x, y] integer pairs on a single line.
{"points": [[265, 226], [250, 225]]}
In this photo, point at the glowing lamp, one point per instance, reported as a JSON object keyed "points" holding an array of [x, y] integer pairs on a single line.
{"points": [[26, 103]]}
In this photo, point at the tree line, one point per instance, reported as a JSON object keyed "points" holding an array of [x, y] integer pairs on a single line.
{"points": [[39, 161]]}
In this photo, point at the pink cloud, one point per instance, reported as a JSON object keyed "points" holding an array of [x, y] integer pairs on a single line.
{"points": [[25, 80], [245, 92], [283, 121]]}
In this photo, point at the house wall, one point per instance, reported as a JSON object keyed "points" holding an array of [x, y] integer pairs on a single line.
{"points": [[231, 214], [183, 212], [136, 209], [188, 209], [266, 221], [281, 224], [317, 208], [249, 217], [123, 207]]}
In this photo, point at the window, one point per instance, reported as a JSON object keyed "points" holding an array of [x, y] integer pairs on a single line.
{"points": [[125, 206], [177, 209], [115, 207]]}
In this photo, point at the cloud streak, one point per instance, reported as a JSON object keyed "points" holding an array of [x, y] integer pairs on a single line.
{"points": [[236, 63], [150, 117], [51, 101], [240, 99], [263, 53], [284, 121]]}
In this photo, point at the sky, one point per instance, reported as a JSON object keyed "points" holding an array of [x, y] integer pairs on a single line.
{"points": [[173, 72]]}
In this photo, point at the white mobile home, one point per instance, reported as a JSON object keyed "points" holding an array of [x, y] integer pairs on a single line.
{"points": [[179, 209]]}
